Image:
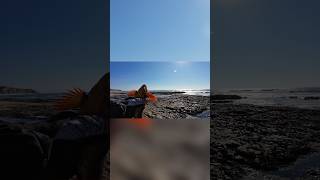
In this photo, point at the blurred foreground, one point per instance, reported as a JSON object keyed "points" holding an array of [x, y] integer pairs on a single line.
{"points": [[167, 150]]}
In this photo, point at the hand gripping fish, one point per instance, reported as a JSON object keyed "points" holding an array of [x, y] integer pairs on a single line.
{"points": [[96, 102]]}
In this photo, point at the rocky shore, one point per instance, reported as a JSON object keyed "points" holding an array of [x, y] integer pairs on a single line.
{"points": [[26, 110], [178, 107], [247, 141]]}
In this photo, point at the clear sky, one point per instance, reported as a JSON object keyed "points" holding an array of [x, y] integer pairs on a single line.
{"points": [[160, 30], [148, 37], [267, 44], [51, 46], [160, 75], [56, 45]]}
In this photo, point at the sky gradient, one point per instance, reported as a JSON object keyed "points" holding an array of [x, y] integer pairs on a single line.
{"points": [[51, 46], [165, 30], [160, 75], [266, 44], [159, 43]]}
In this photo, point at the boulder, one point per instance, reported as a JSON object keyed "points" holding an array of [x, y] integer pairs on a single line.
{"points": [[23, 153]]}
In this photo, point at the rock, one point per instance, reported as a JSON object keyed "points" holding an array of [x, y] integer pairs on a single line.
{"points": [[126, 108], [312, 174], [312, 98], [225, 97], [68, 144], [78, 148], [246, 138], [23, 153]]}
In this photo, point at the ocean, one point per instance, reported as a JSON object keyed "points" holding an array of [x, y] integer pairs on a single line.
{"points": [[163, 93], [307, 98]]}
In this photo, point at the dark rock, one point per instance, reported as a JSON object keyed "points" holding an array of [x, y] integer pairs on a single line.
{"points": [[221, 101], [127, 108], [67, 145], [23, 153], [78, 148], [312, 174], [246, 138], [225, 97], [312, 98]]}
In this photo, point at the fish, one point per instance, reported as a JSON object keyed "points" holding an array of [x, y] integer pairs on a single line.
{"points": [[143, 92], [93, 103], [96, 101]]}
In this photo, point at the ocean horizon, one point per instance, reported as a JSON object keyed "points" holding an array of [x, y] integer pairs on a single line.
{"points": [[179, 75], [306, 98]]}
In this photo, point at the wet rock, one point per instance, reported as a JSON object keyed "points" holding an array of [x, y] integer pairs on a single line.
{"points": [[312, 174], [246, 138], [225, 97], [312, 98]]}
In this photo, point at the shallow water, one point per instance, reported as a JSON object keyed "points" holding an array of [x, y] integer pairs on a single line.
{"points": [[197, 92]]}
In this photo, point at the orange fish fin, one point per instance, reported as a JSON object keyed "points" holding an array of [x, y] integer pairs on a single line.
{"points": [[151, 97], [70, 100], [132, 93]]}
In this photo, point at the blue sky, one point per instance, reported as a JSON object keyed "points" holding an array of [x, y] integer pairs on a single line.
{"points": [[160, 75], [162, 43], [160, 30], [51, 46], [266, 44]]}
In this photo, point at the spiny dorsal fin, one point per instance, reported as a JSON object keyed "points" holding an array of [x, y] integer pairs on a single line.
{"points": [[71, 100], [97, 99], [141, 93], [95, 102]]}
